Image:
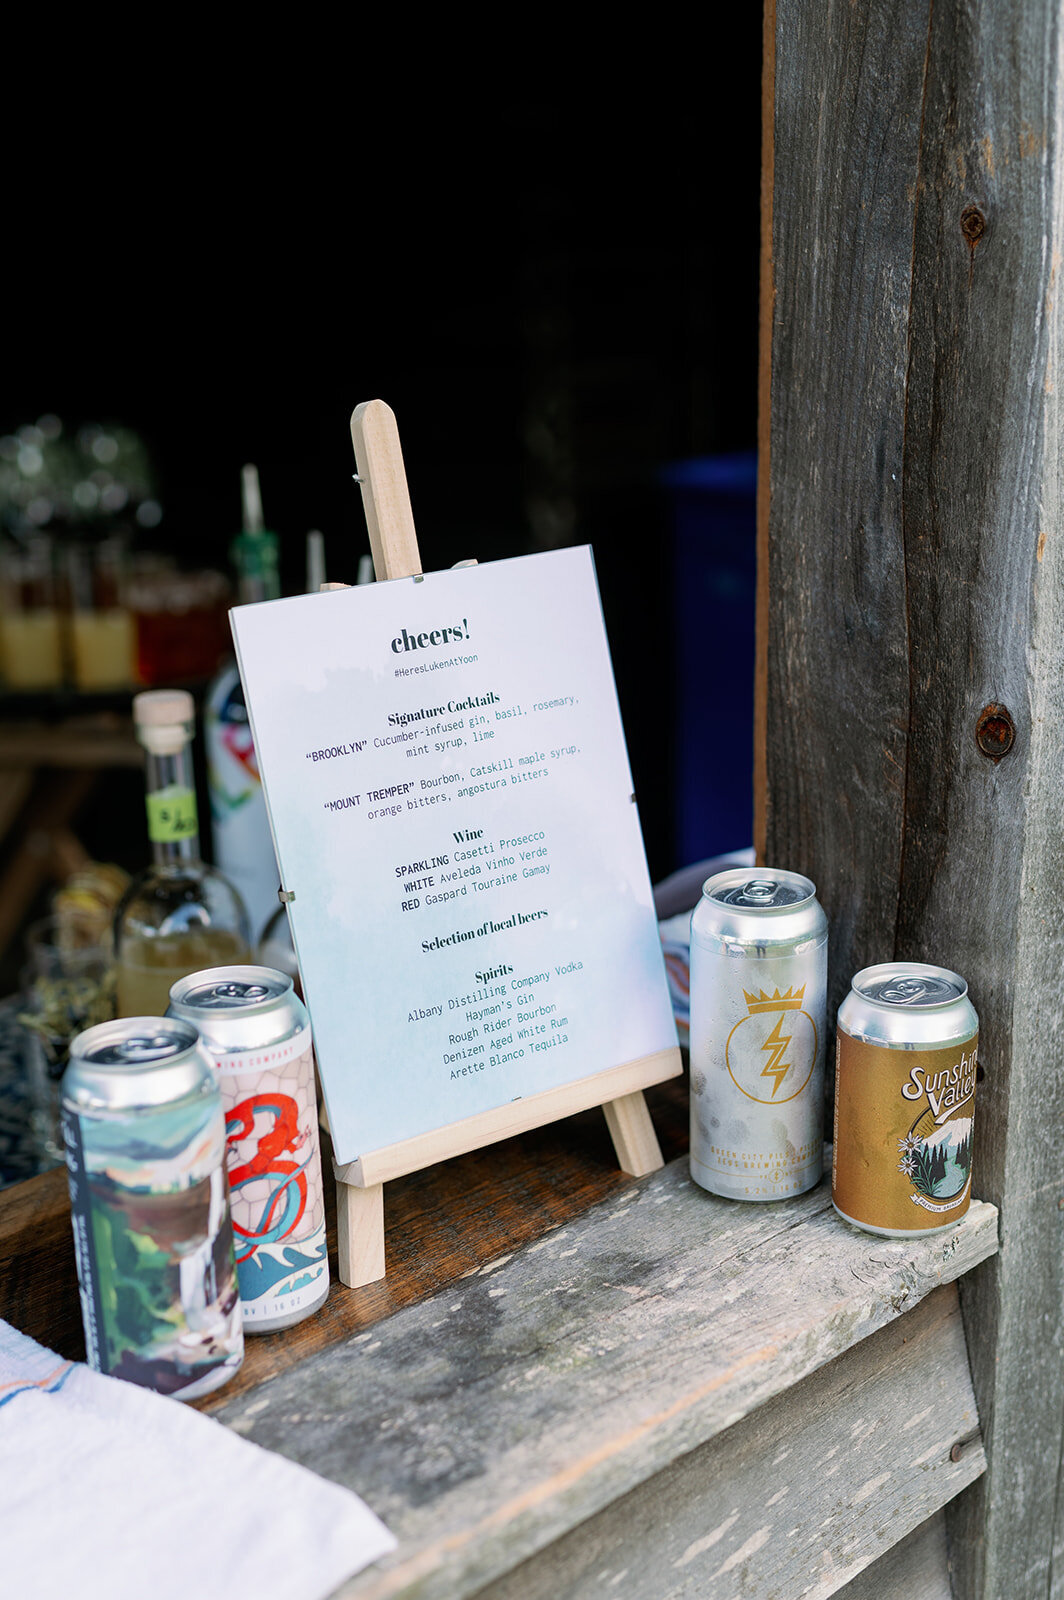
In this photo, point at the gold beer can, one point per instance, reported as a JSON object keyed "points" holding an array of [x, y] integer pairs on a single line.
{"points": [[907, 1042]]}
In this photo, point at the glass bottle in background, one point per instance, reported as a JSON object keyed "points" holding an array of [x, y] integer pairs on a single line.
{"points": [[102, 640], [180, 621], [180, 914], [29, 617], [240, 829]]}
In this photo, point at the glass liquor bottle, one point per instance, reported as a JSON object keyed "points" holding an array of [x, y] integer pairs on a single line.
{"points": [[179, 915]]}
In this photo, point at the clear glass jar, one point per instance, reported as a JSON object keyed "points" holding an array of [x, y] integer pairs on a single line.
{"points": [[102, 644], [29, 617]]}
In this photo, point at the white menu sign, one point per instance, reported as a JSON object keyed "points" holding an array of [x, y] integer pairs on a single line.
{"points": [[452, 809]]}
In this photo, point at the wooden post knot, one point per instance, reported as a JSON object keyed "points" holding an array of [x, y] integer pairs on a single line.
{"points": [[973, 225], [995, 732]]}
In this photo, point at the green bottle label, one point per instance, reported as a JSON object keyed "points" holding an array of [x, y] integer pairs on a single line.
{"points": [[172, 815]]}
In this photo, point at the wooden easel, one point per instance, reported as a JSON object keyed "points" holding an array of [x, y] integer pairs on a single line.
{"points": [[619, 1090]]}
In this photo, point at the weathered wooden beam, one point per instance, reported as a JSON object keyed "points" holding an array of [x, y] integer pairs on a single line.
{"points": [[444, 1224], [794, 1501], [911, 582], [916, 1568], [488, 1422]]}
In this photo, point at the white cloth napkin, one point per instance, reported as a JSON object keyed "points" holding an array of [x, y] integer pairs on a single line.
{"points": [[108, 1490]]}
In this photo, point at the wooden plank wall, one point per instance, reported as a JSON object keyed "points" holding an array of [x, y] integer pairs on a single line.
{"points": [[911, 579]]}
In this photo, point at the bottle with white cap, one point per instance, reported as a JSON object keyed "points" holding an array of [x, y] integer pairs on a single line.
{"points": [[179, 915]]}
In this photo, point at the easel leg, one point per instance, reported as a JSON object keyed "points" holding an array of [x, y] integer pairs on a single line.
{"points": [[360, 1233], [632, 1132]]}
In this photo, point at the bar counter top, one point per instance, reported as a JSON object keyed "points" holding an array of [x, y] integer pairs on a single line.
{"points": [[574, 1382]]}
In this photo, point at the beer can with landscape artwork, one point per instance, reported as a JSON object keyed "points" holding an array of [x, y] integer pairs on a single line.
{"points": [[908, 1038], [145, 1149]]}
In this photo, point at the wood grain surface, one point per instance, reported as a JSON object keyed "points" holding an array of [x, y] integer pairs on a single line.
{"points": [[805, 1495], [916, 1568], [441, 1224], [912, 578], [554, 1335], [487, 1422], [385, 494]]}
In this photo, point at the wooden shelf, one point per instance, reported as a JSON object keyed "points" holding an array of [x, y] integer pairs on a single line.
{"points": [[569, 1372], [570, 1409]]}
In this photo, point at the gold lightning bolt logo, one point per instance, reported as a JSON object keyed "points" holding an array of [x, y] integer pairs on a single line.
{"points": [[776, 1044], [741, 1051]]}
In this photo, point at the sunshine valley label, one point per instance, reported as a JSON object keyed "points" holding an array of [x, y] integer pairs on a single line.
{"points": [[904, 1121]]}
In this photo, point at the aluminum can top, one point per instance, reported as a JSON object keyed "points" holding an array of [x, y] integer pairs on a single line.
{"points": [[239, 1007], [908, 1005], [135, 1063], [909, 983], [768, 892], [230, 988], [744, 907]]}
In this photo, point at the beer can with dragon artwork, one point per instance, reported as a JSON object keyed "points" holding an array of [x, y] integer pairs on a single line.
{"points": [[908, 1039], [758, 1006], [257, 1033]]}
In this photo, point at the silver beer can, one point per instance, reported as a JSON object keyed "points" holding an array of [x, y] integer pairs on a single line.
{"points": [[145, 1150], [759, 941], [257, 1033]]}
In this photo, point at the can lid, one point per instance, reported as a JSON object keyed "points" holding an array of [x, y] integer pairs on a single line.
{"points": [[764, 890], [911, 984], [240, 988], [133, 1041], [133, 1062]]}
